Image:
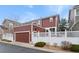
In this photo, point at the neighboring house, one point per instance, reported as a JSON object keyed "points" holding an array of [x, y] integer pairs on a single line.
{"points": [[24, 32], [6, 29], [74, 18]]}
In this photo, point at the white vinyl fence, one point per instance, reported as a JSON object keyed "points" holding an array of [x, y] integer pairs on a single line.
{"points": [[7, 36], [52, 37]]}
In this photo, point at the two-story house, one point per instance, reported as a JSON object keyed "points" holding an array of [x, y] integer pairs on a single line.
{"points": [[74, 18], [6, 29], [24, 32]]}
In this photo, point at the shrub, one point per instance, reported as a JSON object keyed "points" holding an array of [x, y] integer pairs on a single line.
{"points": [[74, 48], [40, 44], [66, 45], [6, 40]]}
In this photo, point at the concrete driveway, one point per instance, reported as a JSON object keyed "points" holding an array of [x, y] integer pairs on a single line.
{"points": [[7, 48]]}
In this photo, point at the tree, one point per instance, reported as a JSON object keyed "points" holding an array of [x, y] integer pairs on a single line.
{"points": [[62, 25]]}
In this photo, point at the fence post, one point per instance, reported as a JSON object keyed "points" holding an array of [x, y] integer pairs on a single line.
{"points": [[65, 34], [56, 32], [38, 35], [49, 35], [32, 35]]}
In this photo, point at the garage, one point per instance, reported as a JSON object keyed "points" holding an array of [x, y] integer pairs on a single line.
{"points": [[23, 37]]}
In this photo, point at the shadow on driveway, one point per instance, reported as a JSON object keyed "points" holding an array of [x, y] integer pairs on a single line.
{"points": [[7, 48]]}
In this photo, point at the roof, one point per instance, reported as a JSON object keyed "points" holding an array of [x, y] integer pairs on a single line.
{"points": [[43, 18], [10, 21], [76, 6], [2, 27]]}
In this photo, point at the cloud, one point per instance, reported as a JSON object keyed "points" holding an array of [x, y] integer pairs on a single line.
{"points": [[28, 16], [29, 6]]}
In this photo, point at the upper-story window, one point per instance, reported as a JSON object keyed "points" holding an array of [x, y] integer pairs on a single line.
{"points": [[39, 23], [77, 12], [51, 20], [34, 23], [10, 26]]}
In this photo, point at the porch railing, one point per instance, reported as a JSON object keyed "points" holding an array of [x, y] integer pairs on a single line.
{"points": [[57, 34]]}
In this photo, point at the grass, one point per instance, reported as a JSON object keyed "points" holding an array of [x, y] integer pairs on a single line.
{"points": [[74, 48]]}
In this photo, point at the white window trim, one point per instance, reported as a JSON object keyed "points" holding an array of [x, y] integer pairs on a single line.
{"points": [[76, 12], [39, 22], [34, 22], [10, 25], [51, 19]]}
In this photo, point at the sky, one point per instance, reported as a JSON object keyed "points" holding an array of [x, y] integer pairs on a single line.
{"points": [[25, 13]]}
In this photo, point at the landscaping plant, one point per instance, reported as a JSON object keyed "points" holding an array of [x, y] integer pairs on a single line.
{"points": [[40, 44]]}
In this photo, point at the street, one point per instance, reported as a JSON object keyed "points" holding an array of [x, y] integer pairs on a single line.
{"points": [[7, 48]]}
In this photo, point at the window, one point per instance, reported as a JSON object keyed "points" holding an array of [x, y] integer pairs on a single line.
{"points": [[77, 12], [51, 19], [10, 26], [39, 22], [52, 29], [46, 30], [34, 23]]}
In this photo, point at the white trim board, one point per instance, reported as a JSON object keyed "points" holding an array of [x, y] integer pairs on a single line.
{"points": [[21, 31]]}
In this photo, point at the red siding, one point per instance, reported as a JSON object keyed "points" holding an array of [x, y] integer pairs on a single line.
{"points": [[23, 28], [46, 22], [35, 28]]}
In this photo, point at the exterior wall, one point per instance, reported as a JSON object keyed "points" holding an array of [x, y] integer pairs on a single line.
{"points": [[75, 27], [7, 23], [22, 28], [71, 17], [35, 28], [46, 22], [28, 28], [1, 31], [76, 19], [7, 36]]}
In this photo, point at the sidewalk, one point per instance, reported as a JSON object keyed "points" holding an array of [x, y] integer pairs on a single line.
{"points": [[32, 47]]}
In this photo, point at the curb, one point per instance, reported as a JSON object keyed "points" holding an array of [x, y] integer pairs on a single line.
{"points": [[32, 47]]}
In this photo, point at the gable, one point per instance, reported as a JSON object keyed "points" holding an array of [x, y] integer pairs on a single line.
{"points": [[6, 23]]}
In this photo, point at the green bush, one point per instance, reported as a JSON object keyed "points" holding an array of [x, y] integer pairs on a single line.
{"points": [[40, 44], [6, 40], [74, 48]]}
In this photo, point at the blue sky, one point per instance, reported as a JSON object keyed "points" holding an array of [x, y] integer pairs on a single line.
{"points": [[24, 13]]}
